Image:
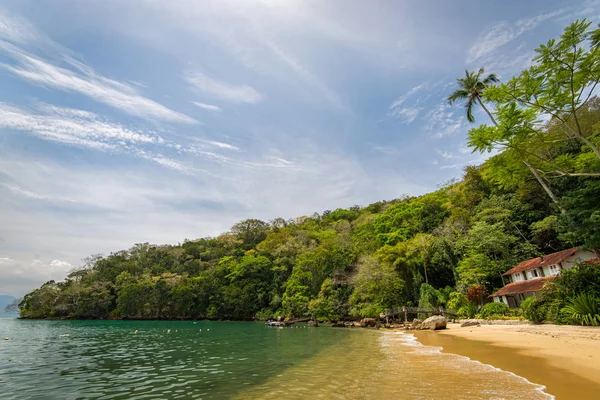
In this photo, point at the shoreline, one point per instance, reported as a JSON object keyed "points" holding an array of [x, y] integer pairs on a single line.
{"points": [[564, 359]]}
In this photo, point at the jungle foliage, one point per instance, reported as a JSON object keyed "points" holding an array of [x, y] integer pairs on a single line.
{"points": [[538, 194]]}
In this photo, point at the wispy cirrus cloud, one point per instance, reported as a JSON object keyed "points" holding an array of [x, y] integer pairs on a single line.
{"points": [[209, 107], [220, 145], [73, 127], [401, 99], [442, 121], [408, 113], [222, 90], [504, 32], [34, 195], [81, 128], [17, 35], [110, 92]]}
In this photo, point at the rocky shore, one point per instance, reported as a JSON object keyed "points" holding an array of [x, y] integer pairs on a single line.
{"points": [[435, 322]]}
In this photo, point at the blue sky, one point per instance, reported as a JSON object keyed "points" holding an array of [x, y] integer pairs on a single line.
{"points": [[131, 121]]}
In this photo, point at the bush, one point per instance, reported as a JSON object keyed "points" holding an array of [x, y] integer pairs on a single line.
{"points": [[491, 310], [477, 294], [264, 314], [456, 301], [469, 310], [533, 309], [584, 309]]}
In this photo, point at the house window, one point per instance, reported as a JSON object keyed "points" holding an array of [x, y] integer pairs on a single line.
{"points": [[518, 277], [534, 273], [554, 270]]}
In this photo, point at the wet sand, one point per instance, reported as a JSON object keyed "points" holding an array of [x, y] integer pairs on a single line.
{"points": [[565, 359]]}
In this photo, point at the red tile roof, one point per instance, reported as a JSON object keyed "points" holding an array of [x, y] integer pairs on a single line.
{"points": [[532, 285], [543, 261]]}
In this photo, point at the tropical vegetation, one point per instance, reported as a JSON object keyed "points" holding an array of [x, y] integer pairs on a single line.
{"points": [[538, 193]]}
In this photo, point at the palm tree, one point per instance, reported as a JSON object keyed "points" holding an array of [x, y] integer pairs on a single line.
{"points": [[471, 88]]}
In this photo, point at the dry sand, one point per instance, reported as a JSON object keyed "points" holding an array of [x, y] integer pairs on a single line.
{"points": [[566, 359]]}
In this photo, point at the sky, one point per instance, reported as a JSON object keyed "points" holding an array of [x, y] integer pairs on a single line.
{"points": [[124, 122]]}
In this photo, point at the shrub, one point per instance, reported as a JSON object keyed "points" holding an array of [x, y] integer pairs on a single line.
{"points": [[533, 309], [583, 278], [584, 309], [565, 317], [477, 294], [456, 301], [469, 310], [265, 314], [490, 310]]}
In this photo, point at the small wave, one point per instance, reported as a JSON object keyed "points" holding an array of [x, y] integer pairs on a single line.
{"points": [[410, 340]]}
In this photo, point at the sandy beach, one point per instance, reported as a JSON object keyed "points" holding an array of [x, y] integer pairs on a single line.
{"points": [[566, 359]]}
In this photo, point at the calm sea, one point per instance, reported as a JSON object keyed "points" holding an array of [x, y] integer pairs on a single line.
{"points": [[244, 360]]}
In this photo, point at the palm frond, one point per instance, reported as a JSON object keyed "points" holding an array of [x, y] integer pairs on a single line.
{"points": [[459, 94], [491, 78], [584, 309], [469, 109]]}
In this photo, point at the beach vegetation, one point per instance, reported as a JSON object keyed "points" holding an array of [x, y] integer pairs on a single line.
{"points": [[584, 309], [468, 310], [537, 193], [493, 310]]}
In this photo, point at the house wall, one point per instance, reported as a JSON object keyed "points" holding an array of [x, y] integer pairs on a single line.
{"points": [[517, 277], [535, 273], [569, 262], [501, 299], [576, 258]]}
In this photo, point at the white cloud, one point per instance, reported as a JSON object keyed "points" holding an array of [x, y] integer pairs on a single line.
{"points": [[398, 102], [504, 32], [170, 163], [406, 114], [81, 128], [60, 265], [442, 121], [107, 91], [223, 90], [221, 145], [70, 126], [453, 166], [33, 195], [16, 32], [445, 154], [208, 107]]}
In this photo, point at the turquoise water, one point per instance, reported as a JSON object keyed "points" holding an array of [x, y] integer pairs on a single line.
{"points": [[242, 360], [107, 359]]}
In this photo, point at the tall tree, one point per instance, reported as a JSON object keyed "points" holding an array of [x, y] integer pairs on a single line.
{"points": [[471, 88]]}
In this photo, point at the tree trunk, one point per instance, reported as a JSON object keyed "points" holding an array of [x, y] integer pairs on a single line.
{"points": [[487, 111], [544, 185], [533, 170], [589, 143]]}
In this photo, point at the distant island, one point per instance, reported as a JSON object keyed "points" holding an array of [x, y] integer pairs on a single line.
{"points": [[6, 301], [539, 194]]}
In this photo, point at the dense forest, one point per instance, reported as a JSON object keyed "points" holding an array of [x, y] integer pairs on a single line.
{"points": [[538, 193]]}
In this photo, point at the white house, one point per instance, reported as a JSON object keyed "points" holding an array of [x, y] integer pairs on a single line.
{"points": [[529, 276]]}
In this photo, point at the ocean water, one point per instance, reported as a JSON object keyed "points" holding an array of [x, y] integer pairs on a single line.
{"points": [[241, 360]]}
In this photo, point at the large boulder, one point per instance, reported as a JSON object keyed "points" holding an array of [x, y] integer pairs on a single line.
{"points": [[434, 323], [416, 324], [470, 323], [368, 322]]}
